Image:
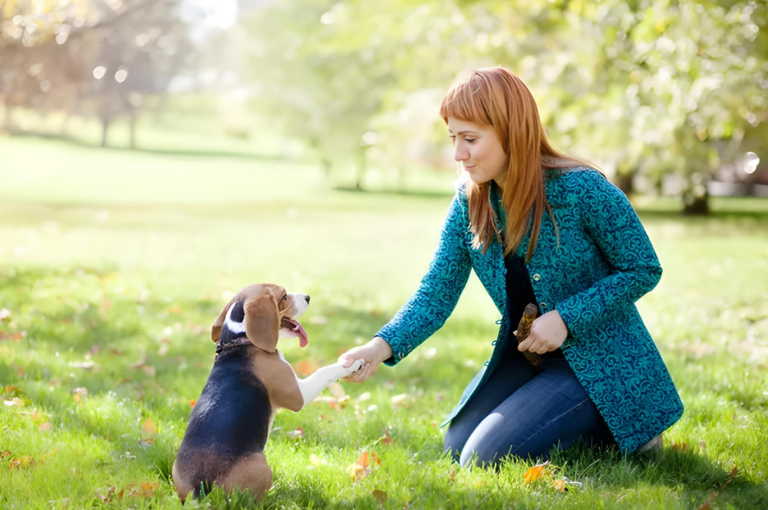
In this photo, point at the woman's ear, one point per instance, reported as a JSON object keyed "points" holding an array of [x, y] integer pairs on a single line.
{"points": [[262, 321], [219, 322]]}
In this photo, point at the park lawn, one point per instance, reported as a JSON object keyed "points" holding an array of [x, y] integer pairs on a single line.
{"points": [[113, 265]]}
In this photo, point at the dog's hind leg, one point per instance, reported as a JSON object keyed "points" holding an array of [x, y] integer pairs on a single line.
{"points": [[317, 382], [252, 473]]}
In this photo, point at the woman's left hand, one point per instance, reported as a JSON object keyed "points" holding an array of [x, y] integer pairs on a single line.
{"points": [[548, 333]]}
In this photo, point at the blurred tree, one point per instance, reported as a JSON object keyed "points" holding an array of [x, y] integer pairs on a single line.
{"points": [[89, 57], [646, 87]]}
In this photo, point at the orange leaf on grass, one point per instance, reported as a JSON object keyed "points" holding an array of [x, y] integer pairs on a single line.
{"points": [[148, 429], [4, 454], [192, 403], [535, 472], [386, 439], [21, 462], [306, 367], [359, 468], [559, 485]]}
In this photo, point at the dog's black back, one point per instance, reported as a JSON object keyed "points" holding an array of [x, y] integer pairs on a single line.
{"points": [[229, 421]]}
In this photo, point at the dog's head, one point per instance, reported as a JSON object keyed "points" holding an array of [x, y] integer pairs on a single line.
{"points": [[264, 312]]}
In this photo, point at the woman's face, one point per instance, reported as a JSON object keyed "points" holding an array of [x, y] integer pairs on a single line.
{"points": [[478, 149]]}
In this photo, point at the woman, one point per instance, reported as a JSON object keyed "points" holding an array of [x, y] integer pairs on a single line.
{"points": [[538, 226]]}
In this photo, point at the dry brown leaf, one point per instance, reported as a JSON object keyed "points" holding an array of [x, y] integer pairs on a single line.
{"points": [[386, 439], [380, 496], [403, 400], [681, 447], [451, 476], [535, 472], [317, 461], [337, 390], [5, 453], [148, 429], [149, 370], [306, 367], [22, 462], [359, 468]]}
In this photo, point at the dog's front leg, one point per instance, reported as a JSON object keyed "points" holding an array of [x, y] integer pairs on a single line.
{"points": [[317, 382]]}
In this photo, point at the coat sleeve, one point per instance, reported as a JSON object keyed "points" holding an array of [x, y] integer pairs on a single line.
{"points": [[431, 305], [611, 223]]}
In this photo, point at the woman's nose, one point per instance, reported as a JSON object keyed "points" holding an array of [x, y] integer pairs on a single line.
{"points": [[460, 154]]}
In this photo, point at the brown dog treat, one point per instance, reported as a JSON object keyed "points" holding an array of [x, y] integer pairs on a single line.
{"points": [[524, 329]]}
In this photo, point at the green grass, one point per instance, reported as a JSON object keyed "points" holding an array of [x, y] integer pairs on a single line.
{"points": [[113, 264]]}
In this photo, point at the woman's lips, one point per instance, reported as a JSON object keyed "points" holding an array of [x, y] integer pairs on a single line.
{"points": [[469, 168]]}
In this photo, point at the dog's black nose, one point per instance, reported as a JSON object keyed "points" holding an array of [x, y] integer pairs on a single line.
{"points": [[307, 298]]}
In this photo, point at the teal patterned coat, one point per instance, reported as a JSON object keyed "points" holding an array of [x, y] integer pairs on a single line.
{"points": [[604, 263]]}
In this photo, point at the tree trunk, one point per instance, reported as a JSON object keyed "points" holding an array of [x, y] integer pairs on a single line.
{"points": [[362, 168], [132, 131], [625, 182], [327, 168], [695, 203], [104, 130]]}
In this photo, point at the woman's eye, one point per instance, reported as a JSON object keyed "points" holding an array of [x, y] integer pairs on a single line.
{"points": [[470, 140]]}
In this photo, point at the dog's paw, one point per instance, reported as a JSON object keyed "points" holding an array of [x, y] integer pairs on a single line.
{"points": [[357, 365]]}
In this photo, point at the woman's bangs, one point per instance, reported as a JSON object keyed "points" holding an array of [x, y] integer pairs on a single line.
{"points": [[464, 103]]}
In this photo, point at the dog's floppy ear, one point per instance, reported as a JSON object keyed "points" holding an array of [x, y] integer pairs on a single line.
{"points": [[262, 321], [219, 322]]}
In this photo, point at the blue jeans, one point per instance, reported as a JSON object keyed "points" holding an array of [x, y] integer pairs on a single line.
{"points": [[525, 411]]}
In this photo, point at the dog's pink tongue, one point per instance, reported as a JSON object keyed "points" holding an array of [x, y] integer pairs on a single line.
{"points": [[303, 340]]}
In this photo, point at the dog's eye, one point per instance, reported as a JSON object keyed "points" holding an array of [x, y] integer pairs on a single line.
{"points": [[285, 297]]}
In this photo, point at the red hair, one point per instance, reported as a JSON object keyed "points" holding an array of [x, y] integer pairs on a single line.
{"points": [[496, 97]]}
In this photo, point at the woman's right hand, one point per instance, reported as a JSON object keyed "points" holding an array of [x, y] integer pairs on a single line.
{"points": [[374, 352]]}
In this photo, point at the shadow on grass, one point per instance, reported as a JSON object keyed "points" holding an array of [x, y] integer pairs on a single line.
{"points": [[160, 152]]}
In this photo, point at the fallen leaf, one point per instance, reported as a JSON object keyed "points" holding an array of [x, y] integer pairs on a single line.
{"points": [[559, 485], [148, 429], [342, 402], [306, 367], [451, 476], [356, 471], [681, 447], [325, 417], [359, 468], [149, 370], [380, 496], [21, 462], [401, 400], [337, 390], [45, 427], [386, 439], [192, 403], [14, 337], [296, 434], [4, 454], [534, 473], [85, 365], [317, 461]]}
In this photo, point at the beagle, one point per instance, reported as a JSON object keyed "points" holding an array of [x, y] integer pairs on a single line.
{"points": [[230, 422]]}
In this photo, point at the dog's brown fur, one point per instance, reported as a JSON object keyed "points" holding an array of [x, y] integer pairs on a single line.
{"points": [[264, 308]]}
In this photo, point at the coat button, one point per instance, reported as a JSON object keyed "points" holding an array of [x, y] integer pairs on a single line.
{"points": [[542, 305], [536, 277]]}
